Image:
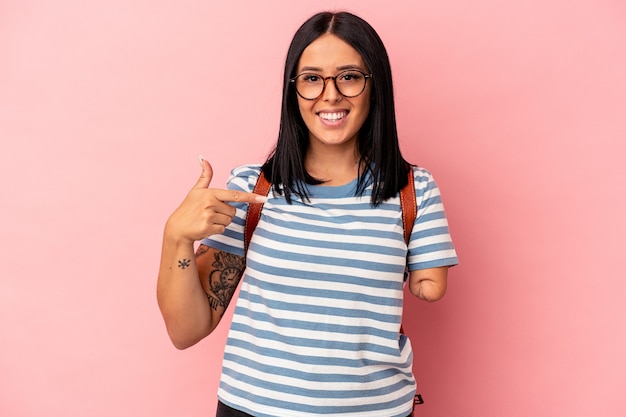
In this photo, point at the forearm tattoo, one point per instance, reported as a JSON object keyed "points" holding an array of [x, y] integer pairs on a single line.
{"points": [[226, 271], [184, 263]]}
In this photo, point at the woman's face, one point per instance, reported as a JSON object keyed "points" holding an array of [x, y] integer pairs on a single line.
{"points": [[333, 119]]}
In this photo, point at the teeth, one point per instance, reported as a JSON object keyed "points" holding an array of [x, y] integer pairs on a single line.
{"points": [[332, 116]]}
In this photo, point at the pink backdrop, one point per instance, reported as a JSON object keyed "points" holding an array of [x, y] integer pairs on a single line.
{"points": [[518, 107]]}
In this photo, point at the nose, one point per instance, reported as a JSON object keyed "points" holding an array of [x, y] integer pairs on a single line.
{"points": [[330, 92]]}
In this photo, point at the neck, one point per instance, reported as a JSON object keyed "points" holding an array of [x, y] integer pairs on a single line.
{"points": [[334, 167]]}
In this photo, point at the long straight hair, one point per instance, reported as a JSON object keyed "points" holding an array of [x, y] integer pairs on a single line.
{"points": [[378, 145]]}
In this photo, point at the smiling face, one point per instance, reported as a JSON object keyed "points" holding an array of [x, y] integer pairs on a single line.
{"points": [[333, 119]]}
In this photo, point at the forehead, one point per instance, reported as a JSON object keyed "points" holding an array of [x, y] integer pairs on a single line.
{"points": [[328, 52]]}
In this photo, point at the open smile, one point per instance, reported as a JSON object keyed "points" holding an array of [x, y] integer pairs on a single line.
{"points": [[332, 117]]}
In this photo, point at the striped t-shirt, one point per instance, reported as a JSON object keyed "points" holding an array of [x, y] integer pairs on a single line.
{"points": [[315, 329]]}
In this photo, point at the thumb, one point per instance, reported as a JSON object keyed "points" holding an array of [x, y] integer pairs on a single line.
{"points": [[206, 176]]}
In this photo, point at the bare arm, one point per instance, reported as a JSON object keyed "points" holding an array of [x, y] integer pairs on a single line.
{"points": [[429, 284], [180, 295], [220, 273], [194, 290]]}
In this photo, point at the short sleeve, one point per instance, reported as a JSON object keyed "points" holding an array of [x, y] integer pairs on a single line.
{"points": [[431, 244]]}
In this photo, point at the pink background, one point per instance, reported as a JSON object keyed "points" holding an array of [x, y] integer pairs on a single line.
{"points": [[518, 107]]}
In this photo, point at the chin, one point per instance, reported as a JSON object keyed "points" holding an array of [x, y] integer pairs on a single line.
{"points": [[336, 139]]}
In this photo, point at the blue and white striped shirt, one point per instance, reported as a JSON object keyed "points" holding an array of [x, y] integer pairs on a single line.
{"points": [[316, 326]]}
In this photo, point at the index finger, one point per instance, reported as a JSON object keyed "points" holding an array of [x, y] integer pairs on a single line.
{"points": [[234, 196]]}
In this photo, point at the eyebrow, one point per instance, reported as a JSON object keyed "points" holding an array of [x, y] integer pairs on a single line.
{"points": [[340, 68]]}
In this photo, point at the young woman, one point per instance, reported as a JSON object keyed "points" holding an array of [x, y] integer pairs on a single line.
{"points": [[316, 327]]}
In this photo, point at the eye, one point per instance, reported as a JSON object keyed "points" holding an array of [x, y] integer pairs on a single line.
{"points": [[310, 78], [349, 76]]}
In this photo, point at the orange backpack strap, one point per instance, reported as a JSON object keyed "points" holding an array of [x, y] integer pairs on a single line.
{"points": [[262, 187], [408, 203]]}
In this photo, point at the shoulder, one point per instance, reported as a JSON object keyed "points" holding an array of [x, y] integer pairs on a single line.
{"points": [[421, 173], [426, 189], [423, 178], [244, 177]]}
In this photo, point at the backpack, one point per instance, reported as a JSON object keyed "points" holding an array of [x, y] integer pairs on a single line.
{"points": [[408, 204]]}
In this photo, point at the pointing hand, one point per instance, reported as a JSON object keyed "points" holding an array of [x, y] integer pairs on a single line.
{"points": [[205, 211]]}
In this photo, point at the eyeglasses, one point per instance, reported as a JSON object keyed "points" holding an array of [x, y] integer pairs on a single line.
{"points": [[350, 83]]}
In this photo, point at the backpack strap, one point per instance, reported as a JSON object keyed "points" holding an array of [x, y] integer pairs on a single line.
{"points": [[408, 203], [262, 187]]}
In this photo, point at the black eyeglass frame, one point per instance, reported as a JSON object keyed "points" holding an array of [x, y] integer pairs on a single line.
{"points": [[365, 76]]}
